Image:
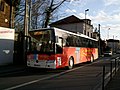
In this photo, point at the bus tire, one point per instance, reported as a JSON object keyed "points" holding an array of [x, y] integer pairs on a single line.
{"points": [[71, 63]]}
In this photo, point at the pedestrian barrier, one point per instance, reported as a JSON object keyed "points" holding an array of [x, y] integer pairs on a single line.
{"points": [[114, 66]]}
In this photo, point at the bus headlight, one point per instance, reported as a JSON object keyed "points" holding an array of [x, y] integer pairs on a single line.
{"points": [[59, 61]]}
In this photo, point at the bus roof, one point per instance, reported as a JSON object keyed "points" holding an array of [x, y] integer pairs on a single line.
{"points": [[81, 35], [57, 29]]}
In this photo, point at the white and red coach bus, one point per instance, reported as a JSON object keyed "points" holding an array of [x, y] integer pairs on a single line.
{"points": [[55, 48]]}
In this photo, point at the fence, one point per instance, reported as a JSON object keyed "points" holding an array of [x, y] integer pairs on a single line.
{"points": [[114, 66]]}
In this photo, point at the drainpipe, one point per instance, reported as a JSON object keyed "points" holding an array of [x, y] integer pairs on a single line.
{"points": [[10, 17]]}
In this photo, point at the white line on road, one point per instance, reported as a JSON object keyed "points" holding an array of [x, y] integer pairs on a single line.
{"points": [[45, 78]]}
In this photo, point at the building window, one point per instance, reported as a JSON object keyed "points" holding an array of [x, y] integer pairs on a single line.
{"points": [[2, 4], [91, 35], [87, 33]]}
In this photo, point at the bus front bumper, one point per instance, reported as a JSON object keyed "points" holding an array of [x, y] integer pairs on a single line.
{"points": [[42, 63]]}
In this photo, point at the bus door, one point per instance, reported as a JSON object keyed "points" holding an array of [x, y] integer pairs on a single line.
{"points": [[59, 50], [59, 45], [77, 52]]}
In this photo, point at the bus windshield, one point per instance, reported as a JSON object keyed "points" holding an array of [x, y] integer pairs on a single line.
{"points": [[42, 41]]}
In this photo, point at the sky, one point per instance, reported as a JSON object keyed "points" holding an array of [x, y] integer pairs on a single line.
{"points": [[103, 12]]}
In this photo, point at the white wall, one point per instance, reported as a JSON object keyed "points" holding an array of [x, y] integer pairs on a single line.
{"points": [[114, 46], [6, 45], [76, 27]]}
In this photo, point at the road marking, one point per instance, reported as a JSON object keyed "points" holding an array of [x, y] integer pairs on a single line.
{"points": [[45, 78]]}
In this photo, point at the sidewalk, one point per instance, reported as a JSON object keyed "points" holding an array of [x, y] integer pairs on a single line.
{"points": [[114, 84], [10, 68]]}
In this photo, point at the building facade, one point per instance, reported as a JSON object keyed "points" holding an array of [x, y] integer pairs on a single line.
{"points": [[6, 14], [114, 44], [74, 24]]}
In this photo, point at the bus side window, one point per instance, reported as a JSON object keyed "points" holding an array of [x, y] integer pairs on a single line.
{"points": [[59, 45], [56, 37], [80, 41], [64, 42], [58, 49], [68, 41], [90, 43], [83, 41]]}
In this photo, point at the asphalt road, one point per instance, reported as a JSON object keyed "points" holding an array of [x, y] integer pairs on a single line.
{"points": [[87, 76]]}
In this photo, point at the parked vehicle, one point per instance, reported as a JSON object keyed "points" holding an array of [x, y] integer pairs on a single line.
{"points": [[108, 51], [118, 51]]}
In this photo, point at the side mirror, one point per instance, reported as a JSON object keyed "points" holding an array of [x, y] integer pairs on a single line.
{"points": [[56, 37]]}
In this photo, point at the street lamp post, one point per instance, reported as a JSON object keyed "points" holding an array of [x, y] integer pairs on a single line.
{"points": [[99, 48], [108, 32], [85, 20], [114, 43]]}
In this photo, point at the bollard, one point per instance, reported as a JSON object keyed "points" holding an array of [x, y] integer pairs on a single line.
{"points": [[118, 62], [115, 65], [111, 70], [103, 78]]}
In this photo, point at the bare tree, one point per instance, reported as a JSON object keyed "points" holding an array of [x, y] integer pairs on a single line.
{"points": [[41, 13], [50, 9], [38, 9], [43, 10], [19, 15]]}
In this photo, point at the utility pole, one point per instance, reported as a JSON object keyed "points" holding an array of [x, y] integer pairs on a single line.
{"points": [[85, 20], [99, 48], [26, 17], [108, 32]]}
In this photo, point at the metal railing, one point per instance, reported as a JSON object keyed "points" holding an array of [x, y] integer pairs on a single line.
{"points": [[114, 66]]}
